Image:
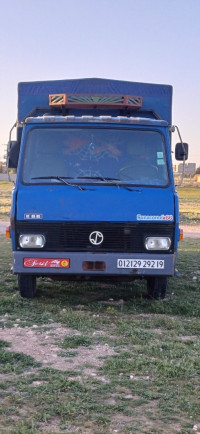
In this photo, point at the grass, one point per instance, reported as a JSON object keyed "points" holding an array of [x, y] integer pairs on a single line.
{"points": [[189, 198], [141, 373], [15, 363], [5, 199], [76, 341]]}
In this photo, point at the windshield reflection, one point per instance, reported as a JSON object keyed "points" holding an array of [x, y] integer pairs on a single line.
{"points": [[92, 155]]}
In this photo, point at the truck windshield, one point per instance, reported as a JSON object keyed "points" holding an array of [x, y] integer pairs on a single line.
{"points": [[95, 155]]}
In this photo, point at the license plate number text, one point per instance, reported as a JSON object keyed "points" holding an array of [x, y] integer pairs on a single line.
{"points": [[141, 263]]}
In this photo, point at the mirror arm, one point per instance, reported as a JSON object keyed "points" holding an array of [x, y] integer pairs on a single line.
{"points": [[8, 151], [180, 138]]}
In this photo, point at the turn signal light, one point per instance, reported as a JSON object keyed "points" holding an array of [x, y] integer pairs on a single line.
{"points": [[180, 234], [7, 231]]}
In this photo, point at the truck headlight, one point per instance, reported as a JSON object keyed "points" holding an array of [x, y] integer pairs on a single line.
{"points": [[157, 243], [32, 241]]}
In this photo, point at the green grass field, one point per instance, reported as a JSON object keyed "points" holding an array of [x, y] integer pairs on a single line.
{"points": [[189, 198], [5, 199], [99, 358]]}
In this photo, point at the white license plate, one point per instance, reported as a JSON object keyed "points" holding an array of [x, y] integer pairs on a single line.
{"points": [[141, 263]]}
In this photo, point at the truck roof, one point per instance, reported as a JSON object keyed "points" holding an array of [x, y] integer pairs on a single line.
{"points": [[35, 95], [96, 119]]}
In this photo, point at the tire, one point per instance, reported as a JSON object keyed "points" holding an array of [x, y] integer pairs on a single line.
{"points": [[156, 287], [27, 285]]}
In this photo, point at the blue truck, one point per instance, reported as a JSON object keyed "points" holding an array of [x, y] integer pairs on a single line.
{"points": [[94, 197]]}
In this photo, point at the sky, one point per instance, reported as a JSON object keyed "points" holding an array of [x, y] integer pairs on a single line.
{"points": [[153, 41]]}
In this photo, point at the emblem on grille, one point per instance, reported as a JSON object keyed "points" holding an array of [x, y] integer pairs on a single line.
{"points": [[96, 238]]}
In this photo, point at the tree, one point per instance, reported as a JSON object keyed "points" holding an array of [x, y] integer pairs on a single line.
{"points": [[197, 171]]}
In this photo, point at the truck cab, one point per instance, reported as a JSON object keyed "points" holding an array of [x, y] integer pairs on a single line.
{"points": [[94, 196]]}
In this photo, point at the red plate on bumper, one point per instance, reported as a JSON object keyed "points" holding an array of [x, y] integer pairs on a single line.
{"points": [[46, 263]]}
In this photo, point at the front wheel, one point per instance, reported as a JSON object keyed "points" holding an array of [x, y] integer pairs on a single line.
{"points": [[27, 285], [156, 287]]}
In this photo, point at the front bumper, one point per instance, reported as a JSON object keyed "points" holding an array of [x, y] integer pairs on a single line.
{"points": [[77, 261]]}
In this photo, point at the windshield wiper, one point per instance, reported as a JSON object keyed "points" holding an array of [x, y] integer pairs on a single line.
{"points": [[105, 179], [62, 179], [100, 178]]}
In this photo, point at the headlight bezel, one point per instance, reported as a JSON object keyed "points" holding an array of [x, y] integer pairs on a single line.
{"points": [[159, 243], [34, 241]]}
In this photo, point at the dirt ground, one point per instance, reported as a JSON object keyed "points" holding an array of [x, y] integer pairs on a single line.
{"points": [[3, 225], [191, 231], [44, 344]]}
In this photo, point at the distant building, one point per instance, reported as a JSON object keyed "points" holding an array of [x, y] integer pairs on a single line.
{"points": [[190, 168]]}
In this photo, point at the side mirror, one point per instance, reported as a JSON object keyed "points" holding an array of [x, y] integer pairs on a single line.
{"points": [[181, 151], [13, 154]]}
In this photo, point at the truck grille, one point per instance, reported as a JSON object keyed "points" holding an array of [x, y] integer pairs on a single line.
{"points": [[74, 236]]}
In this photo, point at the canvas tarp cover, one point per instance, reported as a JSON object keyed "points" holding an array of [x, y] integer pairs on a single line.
{"points": [[33, 95]]}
